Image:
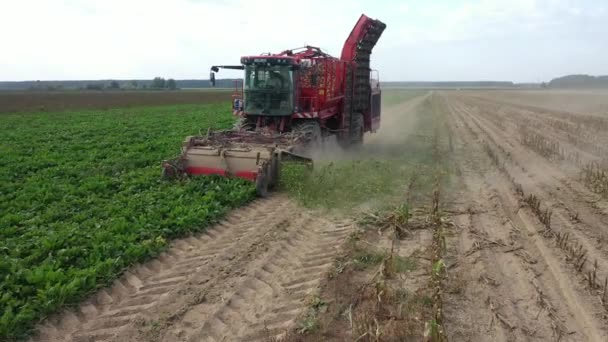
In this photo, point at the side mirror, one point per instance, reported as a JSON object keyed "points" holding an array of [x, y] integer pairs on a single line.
{"points": [[212, 79]]}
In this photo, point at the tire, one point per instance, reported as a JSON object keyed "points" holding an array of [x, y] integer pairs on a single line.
{"points": [[244, 124], [311, 130], [357, 130]]}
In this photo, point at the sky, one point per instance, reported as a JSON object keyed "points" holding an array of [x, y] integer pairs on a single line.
{"points": [[515, 40]]}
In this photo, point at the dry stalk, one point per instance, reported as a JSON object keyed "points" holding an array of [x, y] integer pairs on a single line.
{"points": [[576, 253], [497, 315], [410, 187], [557, 324], [544, 216], [604, 293], [541, 144], [595, 177], [594, 281], [395, 220]]}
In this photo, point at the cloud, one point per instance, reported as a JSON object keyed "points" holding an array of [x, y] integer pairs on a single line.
{"points": [[181, 38]]}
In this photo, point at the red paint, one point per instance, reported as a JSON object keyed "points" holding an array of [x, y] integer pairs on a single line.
{"points": [[202, 170], [349, 50], [249, 175]]}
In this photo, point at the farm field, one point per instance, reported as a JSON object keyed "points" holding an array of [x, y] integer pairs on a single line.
{"points": [[28, 101], [577, 101], [529, 242], [470, 216]]}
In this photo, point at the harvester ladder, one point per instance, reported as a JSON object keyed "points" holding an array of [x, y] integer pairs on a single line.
{"points": [[362, 87], [357, 51]]}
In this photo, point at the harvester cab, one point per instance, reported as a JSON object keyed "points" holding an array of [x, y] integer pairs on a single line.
{"points": [[268, 88], [286, 105]]}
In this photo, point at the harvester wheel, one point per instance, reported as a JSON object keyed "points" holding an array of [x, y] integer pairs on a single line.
{"points": [[357, 130], [311, 131], [244, 124]]}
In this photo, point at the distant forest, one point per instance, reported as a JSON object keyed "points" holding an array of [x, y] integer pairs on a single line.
{"points": [[579, 81], [154, 84], [158, 83]]}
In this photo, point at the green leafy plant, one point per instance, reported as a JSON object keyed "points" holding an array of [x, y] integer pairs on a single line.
{"points": [[438, 268], [81, 199]]}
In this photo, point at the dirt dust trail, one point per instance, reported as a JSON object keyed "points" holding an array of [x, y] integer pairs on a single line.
{"points": [[398, 123], [247, 278], [508, 270]]}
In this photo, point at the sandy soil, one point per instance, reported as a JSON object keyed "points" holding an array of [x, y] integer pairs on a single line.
{"points": [[577, 101], [517, 284]]}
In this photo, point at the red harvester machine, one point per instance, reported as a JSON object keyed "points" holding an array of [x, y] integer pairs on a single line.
{"points": [[287, 104]]}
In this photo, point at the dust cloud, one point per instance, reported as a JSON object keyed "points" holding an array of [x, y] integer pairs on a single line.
{"points": [[398, 122], [374, 174]]}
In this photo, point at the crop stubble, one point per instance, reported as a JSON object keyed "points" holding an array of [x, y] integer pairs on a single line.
{"points": [[520, 203]]}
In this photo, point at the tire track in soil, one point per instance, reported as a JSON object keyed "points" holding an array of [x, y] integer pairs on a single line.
{"points": [[284, 278], [249, 275], [559, 295]]}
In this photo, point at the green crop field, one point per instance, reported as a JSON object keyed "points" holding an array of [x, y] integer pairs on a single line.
{"points": [[394, 96], [81, 199]]}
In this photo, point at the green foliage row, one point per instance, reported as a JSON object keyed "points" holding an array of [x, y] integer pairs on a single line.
{"points": [[81, 199]]}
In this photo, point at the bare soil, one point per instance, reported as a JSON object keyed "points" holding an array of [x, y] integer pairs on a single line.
{"points": [[518, 283], [584, 101]]}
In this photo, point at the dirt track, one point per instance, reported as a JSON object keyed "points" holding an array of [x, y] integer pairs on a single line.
{"points": [[248, 278]]}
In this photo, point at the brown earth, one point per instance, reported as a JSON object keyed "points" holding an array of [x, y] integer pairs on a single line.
{"points": [[576, 101], [521, 237], [28, 101], [518, 281]]}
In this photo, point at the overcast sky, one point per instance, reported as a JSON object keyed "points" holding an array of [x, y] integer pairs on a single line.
{"points": [[514, 40]]}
